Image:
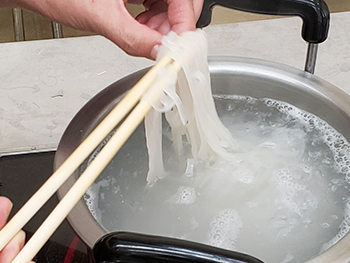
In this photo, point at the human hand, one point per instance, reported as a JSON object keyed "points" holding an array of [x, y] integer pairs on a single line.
{"points": [[172, 15], [17, 243], [110, 18], [143, 35]]}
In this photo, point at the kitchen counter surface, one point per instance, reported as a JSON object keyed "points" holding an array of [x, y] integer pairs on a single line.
{"points": [[44, 83]]}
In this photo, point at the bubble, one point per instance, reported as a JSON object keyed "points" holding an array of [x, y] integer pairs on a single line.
{"points": [[294, 196], [225, 228], [91, 198], [184, 196]]}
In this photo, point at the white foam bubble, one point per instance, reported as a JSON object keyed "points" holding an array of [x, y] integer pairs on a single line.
{"points": [[334, 140], [294, 196], [184, 196], [344, 229], [225, 228], [91, 198]]}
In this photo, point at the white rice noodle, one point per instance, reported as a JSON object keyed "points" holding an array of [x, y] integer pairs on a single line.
{"points": [[208, 137], [153, 124]]}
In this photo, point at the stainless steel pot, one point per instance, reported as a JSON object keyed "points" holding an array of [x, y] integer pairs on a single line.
{"points": [[230, 75]]}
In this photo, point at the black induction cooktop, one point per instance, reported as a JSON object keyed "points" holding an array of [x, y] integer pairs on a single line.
{"points": [[21, 175]]}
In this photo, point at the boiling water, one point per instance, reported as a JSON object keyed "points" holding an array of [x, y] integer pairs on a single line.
{"points": [[285, 198]]}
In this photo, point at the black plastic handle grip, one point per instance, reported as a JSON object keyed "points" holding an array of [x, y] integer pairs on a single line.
{"points": [[137, 248], [315, 13]]}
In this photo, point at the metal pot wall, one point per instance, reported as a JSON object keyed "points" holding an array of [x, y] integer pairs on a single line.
{"points": [[230, 75]]}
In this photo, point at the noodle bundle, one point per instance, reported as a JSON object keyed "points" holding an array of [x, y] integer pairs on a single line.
{"points": [[188, 106]]}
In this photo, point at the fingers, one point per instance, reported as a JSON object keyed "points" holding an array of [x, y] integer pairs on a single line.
{"points": [[5, 209], [165, 15], [154, 8], [156, 17], [159, 23], [197, 7], [181, 15], [12, 248], [17, 243]]}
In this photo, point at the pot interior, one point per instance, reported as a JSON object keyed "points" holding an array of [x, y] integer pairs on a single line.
{"points": [[107, 207]]}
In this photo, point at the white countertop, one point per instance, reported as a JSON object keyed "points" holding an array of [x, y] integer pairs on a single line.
{"points": [[44, 83]]}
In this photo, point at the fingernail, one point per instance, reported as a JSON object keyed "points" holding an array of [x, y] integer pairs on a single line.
{"points": [[154, 52]]}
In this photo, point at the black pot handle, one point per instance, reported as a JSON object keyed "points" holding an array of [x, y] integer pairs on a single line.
{"points": [[138, 248], [315, 13]]}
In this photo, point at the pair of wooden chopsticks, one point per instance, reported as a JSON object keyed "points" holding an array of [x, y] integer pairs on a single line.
{"points": [[81, 153]]}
